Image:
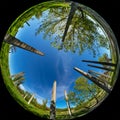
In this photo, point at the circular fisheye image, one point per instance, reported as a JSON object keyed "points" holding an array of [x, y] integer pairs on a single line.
{"points": [[59, 60]]}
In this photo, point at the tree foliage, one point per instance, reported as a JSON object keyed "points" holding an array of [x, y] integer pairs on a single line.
{"points": [[83, 91], [104, 58], [83, 32], [18, 78], [44, 103]]}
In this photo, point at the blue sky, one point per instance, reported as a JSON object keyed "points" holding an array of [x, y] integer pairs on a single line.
{"points": [[41, 71]]}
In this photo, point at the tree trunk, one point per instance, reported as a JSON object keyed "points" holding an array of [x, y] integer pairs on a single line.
{"points": [[104, 68], [67, 102], [69, 20], [106, 76], [97, 62], [53, 103], [74, 7], [31, 99], [25, 96], [101, 79], [27, 23], [14, 41], [17, 75], [19, 81], [87, 75], [94, 95]]}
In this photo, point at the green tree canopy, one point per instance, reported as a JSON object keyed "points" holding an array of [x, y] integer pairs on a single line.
{"points": [[18, 78], [104, 58], [83, 91], [44, 103], [83, 33]]}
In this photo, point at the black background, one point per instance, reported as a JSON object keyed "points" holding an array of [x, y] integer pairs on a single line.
{"points": [[10, 10]]}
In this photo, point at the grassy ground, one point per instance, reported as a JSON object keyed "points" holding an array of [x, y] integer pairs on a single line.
{"points": [[4, 54], [12, 89], [16, 94], [39, 112], [114, 60]]}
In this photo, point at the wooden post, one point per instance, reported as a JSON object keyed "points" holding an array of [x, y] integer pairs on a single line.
{"points": [[67, 102], [53, 103], [87, 75], [16, 42], [31, 99], [104, 68], [97, 62]]}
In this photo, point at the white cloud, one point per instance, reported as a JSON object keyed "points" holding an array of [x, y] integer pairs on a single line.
{"points": [[60, 91], [99, 29], [65, 60], [22, 87], [40, 99], [64, 77]]}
